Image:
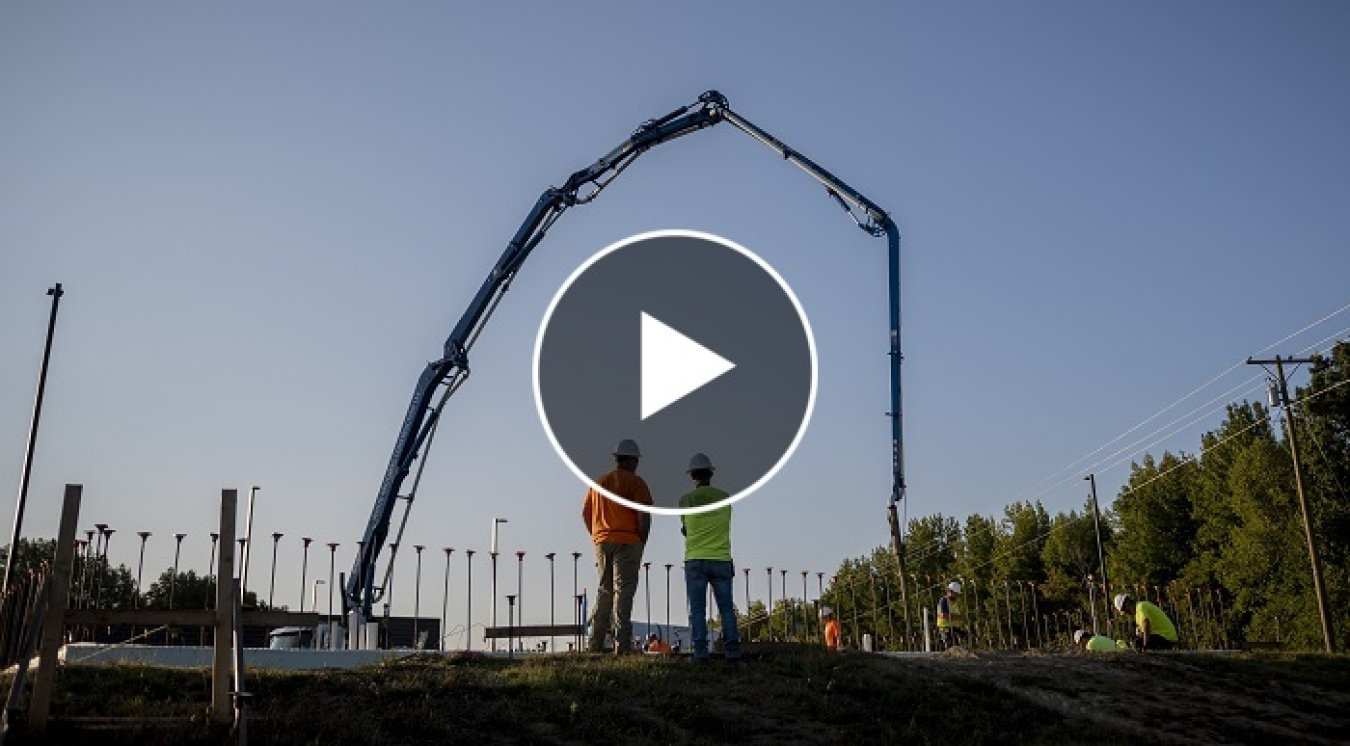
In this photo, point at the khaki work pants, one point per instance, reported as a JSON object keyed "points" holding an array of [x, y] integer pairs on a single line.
{"points": [[617, 566]]}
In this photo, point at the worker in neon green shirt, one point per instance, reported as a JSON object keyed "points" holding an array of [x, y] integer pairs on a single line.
{"points": [[1154, 631], [707, 560], [1097, 643]]}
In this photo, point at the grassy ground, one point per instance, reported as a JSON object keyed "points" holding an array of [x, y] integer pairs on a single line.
{"points": [[785, 696]]}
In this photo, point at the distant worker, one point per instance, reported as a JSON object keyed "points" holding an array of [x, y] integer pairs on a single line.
{"points": [[951, 622], [1096, 643], [619, 534], [656, 645], [833, 633], [1154, 631], [707, 560]]}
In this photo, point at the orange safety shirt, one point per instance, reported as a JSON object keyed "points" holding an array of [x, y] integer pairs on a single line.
{"points": [[832, 634], [612, 522]]}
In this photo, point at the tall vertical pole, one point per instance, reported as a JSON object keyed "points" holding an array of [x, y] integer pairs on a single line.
{"points": [[468, 602], [445, 599], [304, 574], [768, 612], [667, 636], [552, 601], [417, 592], [272, 587], [211, 569], [56, 293], [647, 586], [806, 620], [332, 562], [246, 546], [173, 579], [520, 584], [1101, 553], [1328, 635], [221, 711], [140, 566]]}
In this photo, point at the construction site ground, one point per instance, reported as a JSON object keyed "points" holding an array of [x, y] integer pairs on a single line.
{"points": [[778, 695]]}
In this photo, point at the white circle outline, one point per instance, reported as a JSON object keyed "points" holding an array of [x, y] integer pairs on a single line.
{"points": [[677, 233]]}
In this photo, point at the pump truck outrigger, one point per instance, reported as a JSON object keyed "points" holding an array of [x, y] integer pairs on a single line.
{"points": [[448, 373]]}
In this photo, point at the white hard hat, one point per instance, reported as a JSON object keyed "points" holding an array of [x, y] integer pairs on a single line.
{"points": [[1119, 602], [954, 586], [1078, 636], [628, 447], [700, 461], [826, 611]]}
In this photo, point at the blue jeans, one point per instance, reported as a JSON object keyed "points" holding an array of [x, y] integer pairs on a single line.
{"points": [[720, 574]]}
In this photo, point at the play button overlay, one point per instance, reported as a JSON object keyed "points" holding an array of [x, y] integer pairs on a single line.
{"points": [[686, 343], [673, 365]]}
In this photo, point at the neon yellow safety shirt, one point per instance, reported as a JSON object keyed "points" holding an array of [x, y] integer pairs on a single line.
{"points": [[1158, 623], [1103, 644], [707, 534]]}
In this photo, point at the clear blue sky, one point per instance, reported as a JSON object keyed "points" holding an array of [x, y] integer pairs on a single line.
{"points": [[268, 217]]}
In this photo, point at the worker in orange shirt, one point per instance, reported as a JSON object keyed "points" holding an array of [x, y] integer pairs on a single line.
{"points": [[619, 534], [833, 632]]}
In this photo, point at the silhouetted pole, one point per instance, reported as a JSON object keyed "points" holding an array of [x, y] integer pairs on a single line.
{"points": [[417, 591], [552, 601], [1097, 524], [140, 565], [520, 584], [769, 609], [468, 605], [272, 587], [107, 539], [445, 599], [647, 583], [304, 573], [211, 570], [332, 562], [1328, 636], [56, 293], [173, 579]]}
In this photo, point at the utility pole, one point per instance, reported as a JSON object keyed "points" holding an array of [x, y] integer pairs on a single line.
{"points": [[55, 293], [1280, 392], [1101, 555]]}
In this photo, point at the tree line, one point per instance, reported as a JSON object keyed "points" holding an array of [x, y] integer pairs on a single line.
{"points": [[1217, 534]]}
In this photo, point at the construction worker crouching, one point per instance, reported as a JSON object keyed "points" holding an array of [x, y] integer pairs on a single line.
{"points": [[1097, 643], [951, 622], [1154, 631]]}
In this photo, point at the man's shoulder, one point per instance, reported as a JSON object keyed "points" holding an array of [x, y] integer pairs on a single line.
{"points": [[703, 496]]}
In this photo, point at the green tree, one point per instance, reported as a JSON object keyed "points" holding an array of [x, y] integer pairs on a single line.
{"points": [[1156, 537]]}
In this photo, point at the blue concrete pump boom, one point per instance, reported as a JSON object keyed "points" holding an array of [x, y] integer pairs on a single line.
{"points": [[444, 376]]}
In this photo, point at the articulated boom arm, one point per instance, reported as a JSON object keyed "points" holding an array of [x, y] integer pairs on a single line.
{"points": [[444, 376]]}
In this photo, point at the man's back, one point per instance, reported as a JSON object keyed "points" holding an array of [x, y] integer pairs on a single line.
{"points": [[612, 522]]}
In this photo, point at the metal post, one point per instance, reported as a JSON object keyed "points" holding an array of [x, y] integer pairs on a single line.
{"points": [[445, 599], [211, 570], [272, 587], [647, 586], [55, 292], [520, 583], [492, 615], [246, 547], [304, 573], [806, 621], [417, 593], [468, 605], [332, 562], [576, 595], [744, 570], [140, 566], [768, 612], [173, 579], [552, 601], [107, 534]]}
